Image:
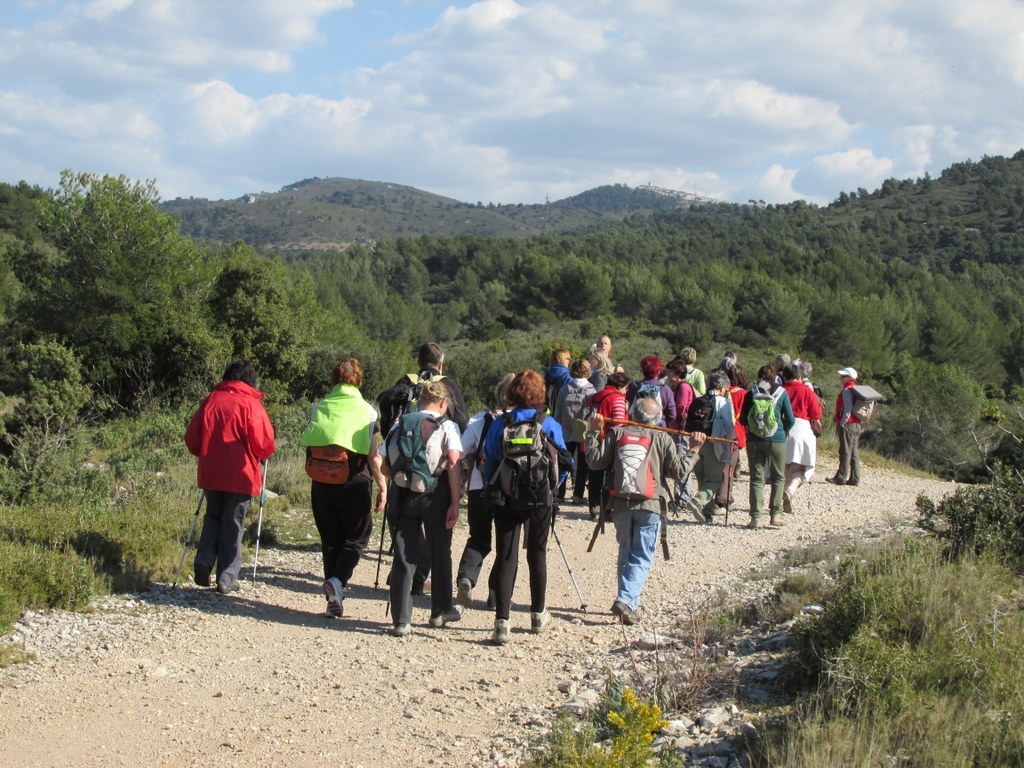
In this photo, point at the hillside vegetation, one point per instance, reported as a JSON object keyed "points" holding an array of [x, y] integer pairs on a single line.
{"points": [[322, 213]]}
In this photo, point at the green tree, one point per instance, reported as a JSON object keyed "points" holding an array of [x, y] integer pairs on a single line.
{"points": [[269, 319], [120, 286]]}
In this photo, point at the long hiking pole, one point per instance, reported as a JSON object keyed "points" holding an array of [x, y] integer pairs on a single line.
{"points": [[667, 429], [188, 538], [259, 519], [664, 535], [380, 549], [572, 576], [598, 528]]}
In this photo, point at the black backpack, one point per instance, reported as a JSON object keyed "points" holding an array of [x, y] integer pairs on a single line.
{"points": [[701, 414], [403, 397], [528, 471]]}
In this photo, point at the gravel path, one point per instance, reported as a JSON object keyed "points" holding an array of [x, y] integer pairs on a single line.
{"points": [[188, 677]]}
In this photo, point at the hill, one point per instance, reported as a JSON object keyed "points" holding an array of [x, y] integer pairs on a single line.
{"points": [[319, 213]]}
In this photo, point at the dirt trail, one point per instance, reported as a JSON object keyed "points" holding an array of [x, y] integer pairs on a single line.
{"points": [[188, 677]]}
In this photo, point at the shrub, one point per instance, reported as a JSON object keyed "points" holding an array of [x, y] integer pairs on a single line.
{"points": [[981, 519], [621, 717], [40, 578]]}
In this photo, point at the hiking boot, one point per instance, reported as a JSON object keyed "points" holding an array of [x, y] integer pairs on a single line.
{"points": [[776, 521], [492, 600], [464, 593], [787, 503], [853, 482], [755, 522], [400, 630], [450, 616], [593, 512], [500, 636], [333, 589], [418, 588], [201, 574], [626, 614], [539, 621], [697, 512], [226, 587], [836, 480]]}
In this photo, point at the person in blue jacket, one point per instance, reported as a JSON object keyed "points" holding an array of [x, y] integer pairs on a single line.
{"points": [[526, 397]]}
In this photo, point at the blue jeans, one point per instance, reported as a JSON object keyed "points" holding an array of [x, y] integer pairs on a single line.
{"points": [[636, 530]]}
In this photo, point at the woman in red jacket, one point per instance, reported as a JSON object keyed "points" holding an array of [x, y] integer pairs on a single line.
{"points": [[610, 402], [231, 434], [801, 444]]}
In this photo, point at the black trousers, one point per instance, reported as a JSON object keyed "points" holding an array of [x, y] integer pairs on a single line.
{"points": [[478, 546], [508, 526], [344, 520], [409, 513]]}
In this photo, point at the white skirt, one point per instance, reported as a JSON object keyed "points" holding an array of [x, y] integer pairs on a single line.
{"points": [[802, 445]]}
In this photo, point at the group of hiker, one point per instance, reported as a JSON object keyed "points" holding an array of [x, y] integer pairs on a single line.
{"points": [[628, 449]]}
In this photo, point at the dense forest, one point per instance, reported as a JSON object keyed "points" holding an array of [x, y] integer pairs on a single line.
{"points": [[108, 308]]}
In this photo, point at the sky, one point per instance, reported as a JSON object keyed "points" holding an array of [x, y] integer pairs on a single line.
{"points": [[509, 101]]}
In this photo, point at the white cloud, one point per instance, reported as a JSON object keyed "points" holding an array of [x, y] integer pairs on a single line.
{"points": [[511, 101]]}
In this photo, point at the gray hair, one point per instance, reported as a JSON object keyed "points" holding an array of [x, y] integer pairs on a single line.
{"points": [[806, 369], [646, 410], [782, 360], [717, 380]]}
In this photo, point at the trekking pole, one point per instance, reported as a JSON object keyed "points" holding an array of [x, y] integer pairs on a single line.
{"points": [[598, 529], [188, 538], [627, 422], [259, 519], [664, 535], [380, 549], [572, 576]]}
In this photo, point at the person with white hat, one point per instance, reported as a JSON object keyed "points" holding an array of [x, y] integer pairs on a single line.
{"points": [[848, 429]]}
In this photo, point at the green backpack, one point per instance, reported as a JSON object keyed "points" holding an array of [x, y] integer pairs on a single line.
{"points": [[763, 420]]}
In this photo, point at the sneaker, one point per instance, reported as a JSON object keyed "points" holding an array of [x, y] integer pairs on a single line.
{"points": [[500, 636], [464, 594], [201, 574], [400, 630], [787, 503], [626, 614], [593, 512], [335, 604], [492, 600], [450, 616], [224, 587], [539, 621]]}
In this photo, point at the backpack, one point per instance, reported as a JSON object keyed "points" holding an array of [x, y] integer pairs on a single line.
{"points": [[651, 389], [528, 470], [863, 407], [762, 420], [416, 451], [631, 476], [574, 404], [701, 414]]}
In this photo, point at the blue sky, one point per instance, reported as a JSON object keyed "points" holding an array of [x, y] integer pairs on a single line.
{"points": [[504, 101]]}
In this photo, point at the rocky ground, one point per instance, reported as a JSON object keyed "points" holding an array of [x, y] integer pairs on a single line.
{"points": [[185, 676]]}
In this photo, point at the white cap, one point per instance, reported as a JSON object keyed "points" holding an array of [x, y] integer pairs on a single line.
{"points": [[851, 372]]}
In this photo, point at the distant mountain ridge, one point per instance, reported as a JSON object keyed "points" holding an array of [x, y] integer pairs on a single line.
{"points": [[334, 212]]}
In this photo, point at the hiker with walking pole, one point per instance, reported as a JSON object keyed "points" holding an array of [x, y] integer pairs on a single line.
{"points": [[641, 458], [231, 434], [525, 459]]}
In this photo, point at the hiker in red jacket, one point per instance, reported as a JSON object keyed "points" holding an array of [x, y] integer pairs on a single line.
{"points": [[610, 403], [231, 434]]}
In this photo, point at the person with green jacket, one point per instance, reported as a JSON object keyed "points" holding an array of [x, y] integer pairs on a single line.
{"points": [[341, 442]]}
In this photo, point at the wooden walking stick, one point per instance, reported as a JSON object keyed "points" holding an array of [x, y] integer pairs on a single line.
{"points": [[627, 422]]}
